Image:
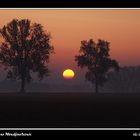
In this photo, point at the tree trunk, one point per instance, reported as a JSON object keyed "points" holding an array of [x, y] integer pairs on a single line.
{"points": [[22, 89], [96, 87], [23, 74], [96, 83]]}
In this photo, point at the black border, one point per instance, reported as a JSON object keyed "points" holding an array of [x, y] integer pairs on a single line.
{"points": [[74, 4], [69, 4], [84, 134]]}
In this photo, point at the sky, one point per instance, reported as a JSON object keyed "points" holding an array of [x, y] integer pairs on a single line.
{"points": [[69, 27]]}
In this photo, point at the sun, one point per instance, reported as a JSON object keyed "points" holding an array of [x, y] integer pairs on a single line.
{"points": [[68, 74]]}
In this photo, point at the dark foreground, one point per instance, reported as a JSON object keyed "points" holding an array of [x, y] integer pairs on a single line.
{"points": [[43, 110]]}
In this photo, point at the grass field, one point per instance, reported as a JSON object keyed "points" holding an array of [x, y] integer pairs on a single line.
{"points": [[47, 110]]}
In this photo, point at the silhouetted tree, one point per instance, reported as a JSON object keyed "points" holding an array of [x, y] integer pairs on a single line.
{"points": [[25, 48], [95, 57]]}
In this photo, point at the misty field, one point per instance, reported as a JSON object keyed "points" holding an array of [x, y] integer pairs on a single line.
{"points": [[41, 110]]}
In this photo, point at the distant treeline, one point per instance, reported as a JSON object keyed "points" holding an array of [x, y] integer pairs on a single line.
{"points": [[126, 80]]}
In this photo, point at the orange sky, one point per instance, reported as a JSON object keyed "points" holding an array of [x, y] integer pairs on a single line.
{"points": [[68, 27]]}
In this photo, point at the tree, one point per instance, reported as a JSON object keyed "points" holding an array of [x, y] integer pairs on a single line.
{"points": [[25, 49], [95, 57]]}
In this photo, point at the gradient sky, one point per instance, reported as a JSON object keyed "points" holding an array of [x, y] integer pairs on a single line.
{"points": [[69, 27]]}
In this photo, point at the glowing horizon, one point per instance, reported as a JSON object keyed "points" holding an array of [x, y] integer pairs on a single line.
{"points": [[69, 27]]}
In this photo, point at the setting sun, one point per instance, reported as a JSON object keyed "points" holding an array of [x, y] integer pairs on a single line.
{"points": [[68, 74]]}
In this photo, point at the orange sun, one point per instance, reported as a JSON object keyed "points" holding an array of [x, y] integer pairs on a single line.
{"points": [[68, 74]]}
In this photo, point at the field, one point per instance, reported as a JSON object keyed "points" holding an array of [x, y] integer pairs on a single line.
{"points": [[49, 110]]}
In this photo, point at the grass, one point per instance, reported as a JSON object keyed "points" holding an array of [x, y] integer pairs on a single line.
{"points": [[45, 110]]}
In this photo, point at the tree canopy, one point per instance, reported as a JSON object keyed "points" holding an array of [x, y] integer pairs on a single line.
{"points": [[25, 48], [96, 58]]}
